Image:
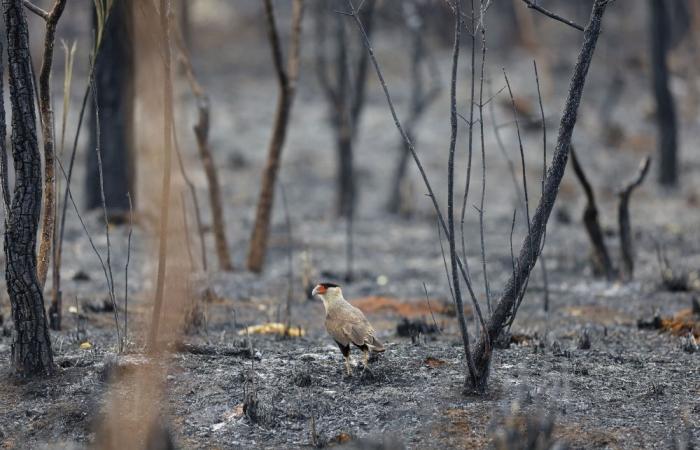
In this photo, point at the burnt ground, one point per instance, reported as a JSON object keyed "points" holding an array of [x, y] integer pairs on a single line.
{"points": [[633, 388]]}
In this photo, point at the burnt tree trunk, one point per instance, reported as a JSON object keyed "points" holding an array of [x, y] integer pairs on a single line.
{"points": [[287, 78], [31, 345], [113, 79], [529, 251], [665, 109]]}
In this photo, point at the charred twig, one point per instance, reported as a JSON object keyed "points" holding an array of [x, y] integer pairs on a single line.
{"points": [[48, 134], [108, 274], [626, 246], [470, 126], [430, 308], [526, 202], [188, 243], [58, 252], [287, 79], [551, 15], [290, 261], [602, 264], [212, 350], [39, 11], [450, 196], [126, 271], [55, 310], [195, 202], [487, 288]]}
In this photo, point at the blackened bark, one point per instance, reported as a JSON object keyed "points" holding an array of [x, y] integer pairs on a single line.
{"points": [[665, 109], [4, 171], [31, 346], [113, 78], [529, 250], [623, 214]]}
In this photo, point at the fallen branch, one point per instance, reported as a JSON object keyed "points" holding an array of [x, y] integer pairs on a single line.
{"points": [[211, 350]]}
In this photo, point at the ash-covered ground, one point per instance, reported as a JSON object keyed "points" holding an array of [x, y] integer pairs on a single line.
{"points": [[584, 368]]}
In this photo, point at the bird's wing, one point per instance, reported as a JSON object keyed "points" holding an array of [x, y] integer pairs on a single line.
{"points": [[359, 331]]}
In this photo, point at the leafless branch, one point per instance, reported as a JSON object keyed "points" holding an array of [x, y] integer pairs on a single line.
{"points": [[39, 11], [109, 275], [126, 271], [551, 15], [195, 201], [487, 288]]}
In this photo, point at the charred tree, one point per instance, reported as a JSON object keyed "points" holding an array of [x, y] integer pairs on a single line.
{"points": [[201, 132], [602, 264], [665, 108], [287, 78], [421, 99], [479, 360], [600, 257], [531, 245], [31, 345], [113, 77], [345, 93]]}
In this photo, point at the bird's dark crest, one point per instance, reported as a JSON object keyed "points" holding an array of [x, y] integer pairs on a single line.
{"points": [[328, 285]]}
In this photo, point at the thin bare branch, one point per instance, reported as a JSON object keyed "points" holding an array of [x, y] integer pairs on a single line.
{"points": [[37, 10], [551, 15]]}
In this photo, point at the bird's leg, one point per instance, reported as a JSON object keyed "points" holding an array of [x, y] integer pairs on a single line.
{"points": [[347, 364], [365, 357]]}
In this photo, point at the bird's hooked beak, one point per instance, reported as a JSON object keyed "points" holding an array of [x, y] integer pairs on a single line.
{"points": [[318, 290]]}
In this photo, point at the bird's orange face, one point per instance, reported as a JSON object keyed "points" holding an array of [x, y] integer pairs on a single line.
{"points": [[322, 288]]}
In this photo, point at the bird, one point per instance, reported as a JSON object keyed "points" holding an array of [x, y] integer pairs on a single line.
{"points": [[346, 324]]}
